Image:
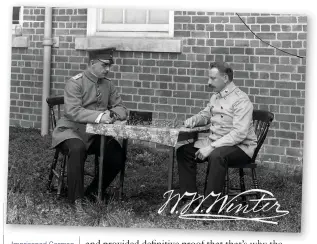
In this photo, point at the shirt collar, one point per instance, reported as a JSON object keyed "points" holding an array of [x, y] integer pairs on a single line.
{"points": [[228, 89]]}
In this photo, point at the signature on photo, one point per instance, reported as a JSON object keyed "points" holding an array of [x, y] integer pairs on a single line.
{"points": [[262, 209]]}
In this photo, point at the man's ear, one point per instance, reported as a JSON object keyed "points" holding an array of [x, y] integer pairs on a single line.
{"points": [[92, 62], [226, 78]]}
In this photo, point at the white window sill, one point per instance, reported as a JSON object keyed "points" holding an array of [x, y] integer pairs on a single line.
{"points": [[20, 41], [170, 45]]}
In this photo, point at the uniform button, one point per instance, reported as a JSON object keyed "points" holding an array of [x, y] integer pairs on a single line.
{"points": [[212, 115], [221, 116], [221, 107]]}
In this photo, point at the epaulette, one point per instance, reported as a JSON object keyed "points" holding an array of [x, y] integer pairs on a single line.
{"points": [[237, 91], [76, 77]]}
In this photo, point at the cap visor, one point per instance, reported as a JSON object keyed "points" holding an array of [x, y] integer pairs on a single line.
{"points": [[106, 61]]}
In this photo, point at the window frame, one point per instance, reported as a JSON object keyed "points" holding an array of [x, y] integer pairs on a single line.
{"points": [[120, 30], [15, 26]]}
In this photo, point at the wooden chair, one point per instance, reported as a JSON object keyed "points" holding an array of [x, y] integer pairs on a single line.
{"points": [[261, 122], [58, 170]]}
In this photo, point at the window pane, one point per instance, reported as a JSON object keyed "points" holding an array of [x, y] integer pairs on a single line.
{"points": [[158, 17], [113, 16], [135, 16], [16, 15]]}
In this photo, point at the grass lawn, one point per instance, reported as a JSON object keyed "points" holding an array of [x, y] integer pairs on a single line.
{"points": [[28, 202]]}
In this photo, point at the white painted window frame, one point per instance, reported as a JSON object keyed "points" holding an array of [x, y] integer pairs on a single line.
{"points": [[138, 30]]}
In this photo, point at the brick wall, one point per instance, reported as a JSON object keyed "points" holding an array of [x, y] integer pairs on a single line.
{"points": [[170, 84]]}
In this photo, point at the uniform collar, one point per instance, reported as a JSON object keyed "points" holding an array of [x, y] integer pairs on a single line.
{"points": [[228, 89], [91, 76]]}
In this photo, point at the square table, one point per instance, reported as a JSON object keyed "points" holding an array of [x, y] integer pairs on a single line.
{"points": [[162, 135]]}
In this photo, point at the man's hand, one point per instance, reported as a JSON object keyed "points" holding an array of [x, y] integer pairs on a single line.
{"points": [[105, 119], [190, 123], [204, 152]]}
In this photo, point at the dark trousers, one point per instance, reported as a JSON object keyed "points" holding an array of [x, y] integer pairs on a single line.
{"points": [[218, 160], [77, 154]]}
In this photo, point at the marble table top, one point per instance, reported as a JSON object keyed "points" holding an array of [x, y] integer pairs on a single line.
{"points": [[163, 135]]}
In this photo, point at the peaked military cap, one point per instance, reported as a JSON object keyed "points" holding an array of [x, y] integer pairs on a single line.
{"points": [[104, 55]]}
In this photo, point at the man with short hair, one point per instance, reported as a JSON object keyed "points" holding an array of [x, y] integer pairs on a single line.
{"points": [[90, 97], [231, 139]]}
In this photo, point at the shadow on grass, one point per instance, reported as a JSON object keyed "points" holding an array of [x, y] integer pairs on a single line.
{"points": [[28, 202]]}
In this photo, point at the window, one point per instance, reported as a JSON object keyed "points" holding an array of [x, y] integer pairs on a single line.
{"points": [[17, 20], [130, 23]]}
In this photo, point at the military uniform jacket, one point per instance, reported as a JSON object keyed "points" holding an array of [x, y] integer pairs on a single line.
{"points": [[85, 97], [229, 113]]}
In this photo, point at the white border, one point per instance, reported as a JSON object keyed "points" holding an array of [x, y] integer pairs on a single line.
{"points": [[308, 234]]}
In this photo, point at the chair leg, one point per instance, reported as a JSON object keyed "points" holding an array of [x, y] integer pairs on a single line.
{"points": [[96, 175], [206, 178], [226, 186], [61, 177], [122, 172], [242, 185], [256, 185], [52, 168]]}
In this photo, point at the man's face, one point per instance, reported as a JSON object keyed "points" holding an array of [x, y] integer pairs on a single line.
{"points": [[100, 69], [217, 81]]}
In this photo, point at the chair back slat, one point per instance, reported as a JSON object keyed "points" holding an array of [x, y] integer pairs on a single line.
{"points": [[52, 103], [261, 120]]}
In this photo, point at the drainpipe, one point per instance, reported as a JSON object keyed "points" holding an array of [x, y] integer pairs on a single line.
{"points": [[47, 43]]}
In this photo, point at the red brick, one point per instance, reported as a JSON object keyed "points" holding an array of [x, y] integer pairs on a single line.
{"points": [[164, 63], [267, 36], [223, 35], [264, 100], [294, 152], [126, 69], [145, 106], [185, 79], [164, 93], [148, 77], [264, 67], [183, 94], [286, 36], [181, 33], [286, 101], [234, 35], [285, 68], [219, 19], [154, 100], [266, 20], [200, 19], [149, 92], [286, 19], [264, 51], [285, 85], [274, 150], [286, 134], [200, 95], [199, 34], [182, 19], [181, 109], [129, 90], [181, 64]]}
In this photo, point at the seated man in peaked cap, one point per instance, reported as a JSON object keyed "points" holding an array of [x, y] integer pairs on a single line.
{"points": [[231, 140], [90, 97]]}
